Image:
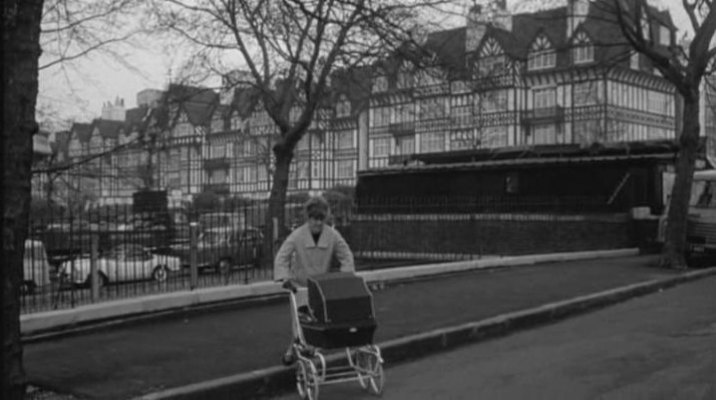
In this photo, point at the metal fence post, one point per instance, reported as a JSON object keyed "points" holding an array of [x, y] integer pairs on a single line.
{"points": [[193, 247], [94, 255]]}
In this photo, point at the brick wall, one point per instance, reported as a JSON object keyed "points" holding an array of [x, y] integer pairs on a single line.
{"points": [[489, 234]]}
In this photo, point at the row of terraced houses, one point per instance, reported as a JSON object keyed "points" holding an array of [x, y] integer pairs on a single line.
{"points": [[540, 78]]}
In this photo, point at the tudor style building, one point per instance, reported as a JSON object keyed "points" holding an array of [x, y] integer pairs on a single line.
{"points": [[558, 76], [566, 76]]}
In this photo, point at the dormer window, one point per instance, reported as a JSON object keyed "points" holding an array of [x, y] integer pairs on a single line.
{"points": [[380, 84], [583, 51], [75, 148], [645, 30], [492, 59], [235, 121], [343, 108], [541, 55], [217, 124], [431, 76], [634, 60], [405, 79]]}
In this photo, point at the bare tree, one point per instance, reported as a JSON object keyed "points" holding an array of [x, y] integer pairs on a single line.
{"points": [[27, 27], [290, 48], [685, 69], [21, 51], [74, 29]]}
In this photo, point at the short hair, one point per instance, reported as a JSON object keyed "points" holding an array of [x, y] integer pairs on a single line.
{"points": [[316, 207]]}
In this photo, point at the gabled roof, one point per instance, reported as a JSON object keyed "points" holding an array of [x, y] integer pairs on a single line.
{"points": [[177, 93], [108, 129], [244, 101], [507, 40], [448, 46], [354, 85], [197, 102], [552, 23], [81, 131], [136, 118], [198, 113]]}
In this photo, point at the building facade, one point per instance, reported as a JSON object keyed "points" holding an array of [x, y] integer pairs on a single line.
{"points": [[566, 76], [558, 76]]}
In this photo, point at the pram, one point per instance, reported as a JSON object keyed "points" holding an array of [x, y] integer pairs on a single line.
{"points": [[335, 320]]}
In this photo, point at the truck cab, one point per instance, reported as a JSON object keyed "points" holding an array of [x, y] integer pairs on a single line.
{"points": [[701, 219]]}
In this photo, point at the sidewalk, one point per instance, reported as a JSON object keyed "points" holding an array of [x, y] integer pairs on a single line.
{"points": [[153, 356]]}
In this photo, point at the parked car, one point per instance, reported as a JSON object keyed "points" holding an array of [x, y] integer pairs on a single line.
{"points": [[219, 249], [122, 263], [225, 220], [35, 267]]}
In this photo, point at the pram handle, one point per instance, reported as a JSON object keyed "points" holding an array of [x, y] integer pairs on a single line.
{"points": [[289, 285]]}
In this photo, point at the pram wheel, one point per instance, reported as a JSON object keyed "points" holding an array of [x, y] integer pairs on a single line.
{"points": [[307, 380], [369, 367]]}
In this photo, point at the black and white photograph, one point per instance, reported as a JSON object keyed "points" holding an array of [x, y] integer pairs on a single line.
{"points": [[358, 199]]}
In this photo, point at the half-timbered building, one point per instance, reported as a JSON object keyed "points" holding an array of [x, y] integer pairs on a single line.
{"points": [[562, 76], [558, 76]]}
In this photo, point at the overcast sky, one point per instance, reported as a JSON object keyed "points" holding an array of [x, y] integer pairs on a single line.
{"points": [[77, 91]]}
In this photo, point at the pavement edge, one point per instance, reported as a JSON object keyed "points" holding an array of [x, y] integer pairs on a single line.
{"points": [[47, 323], [279, 379]]}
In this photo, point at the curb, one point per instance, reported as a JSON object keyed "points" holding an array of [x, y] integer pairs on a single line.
{"points": [[274, 380], [47, 322]]}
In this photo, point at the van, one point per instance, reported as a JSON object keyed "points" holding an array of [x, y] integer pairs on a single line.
{"points": [[701, 220], [35, 266]]}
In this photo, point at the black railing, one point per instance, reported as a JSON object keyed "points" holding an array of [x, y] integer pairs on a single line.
{"points": [[111, 253]]}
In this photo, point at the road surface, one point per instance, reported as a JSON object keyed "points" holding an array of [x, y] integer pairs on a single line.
{"points": [[661, 346]]}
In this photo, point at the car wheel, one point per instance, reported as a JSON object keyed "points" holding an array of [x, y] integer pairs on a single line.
{"points": [[224, 266], [28, 288], [101, 282], [160, 273]]}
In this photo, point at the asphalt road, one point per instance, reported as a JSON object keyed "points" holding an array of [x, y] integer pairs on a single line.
{"points": [[153, 355], [661, 346]]}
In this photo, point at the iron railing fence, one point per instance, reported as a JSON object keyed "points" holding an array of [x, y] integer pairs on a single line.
{"points": [[110, 252]]}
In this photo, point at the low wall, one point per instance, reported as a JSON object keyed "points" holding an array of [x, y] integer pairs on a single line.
{"points": [[490, 234]]}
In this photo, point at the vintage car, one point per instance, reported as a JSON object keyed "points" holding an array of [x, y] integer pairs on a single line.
{"points": [[122, 263], [220, 249], [35, 267]]}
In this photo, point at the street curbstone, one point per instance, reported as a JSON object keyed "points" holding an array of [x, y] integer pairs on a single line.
{"points": [[274, 380]]}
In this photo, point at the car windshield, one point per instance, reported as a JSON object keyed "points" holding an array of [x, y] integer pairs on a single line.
{"points": [[211, 220], [702, 194], [34, 250], [127, 251], [213, 237]]}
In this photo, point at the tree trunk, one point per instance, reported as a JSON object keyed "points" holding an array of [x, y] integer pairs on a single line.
{"points": [[276, 215], [675, 241], [21, 49]]}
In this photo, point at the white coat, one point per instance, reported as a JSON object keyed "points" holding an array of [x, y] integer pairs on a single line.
{"points": [[300, 256]]}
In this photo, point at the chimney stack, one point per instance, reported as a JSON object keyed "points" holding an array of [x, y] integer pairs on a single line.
{"points": [[475, 28]]}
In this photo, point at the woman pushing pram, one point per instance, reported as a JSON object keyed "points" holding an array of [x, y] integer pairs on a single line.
{"points": [[311, 249], [330, 307]]}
